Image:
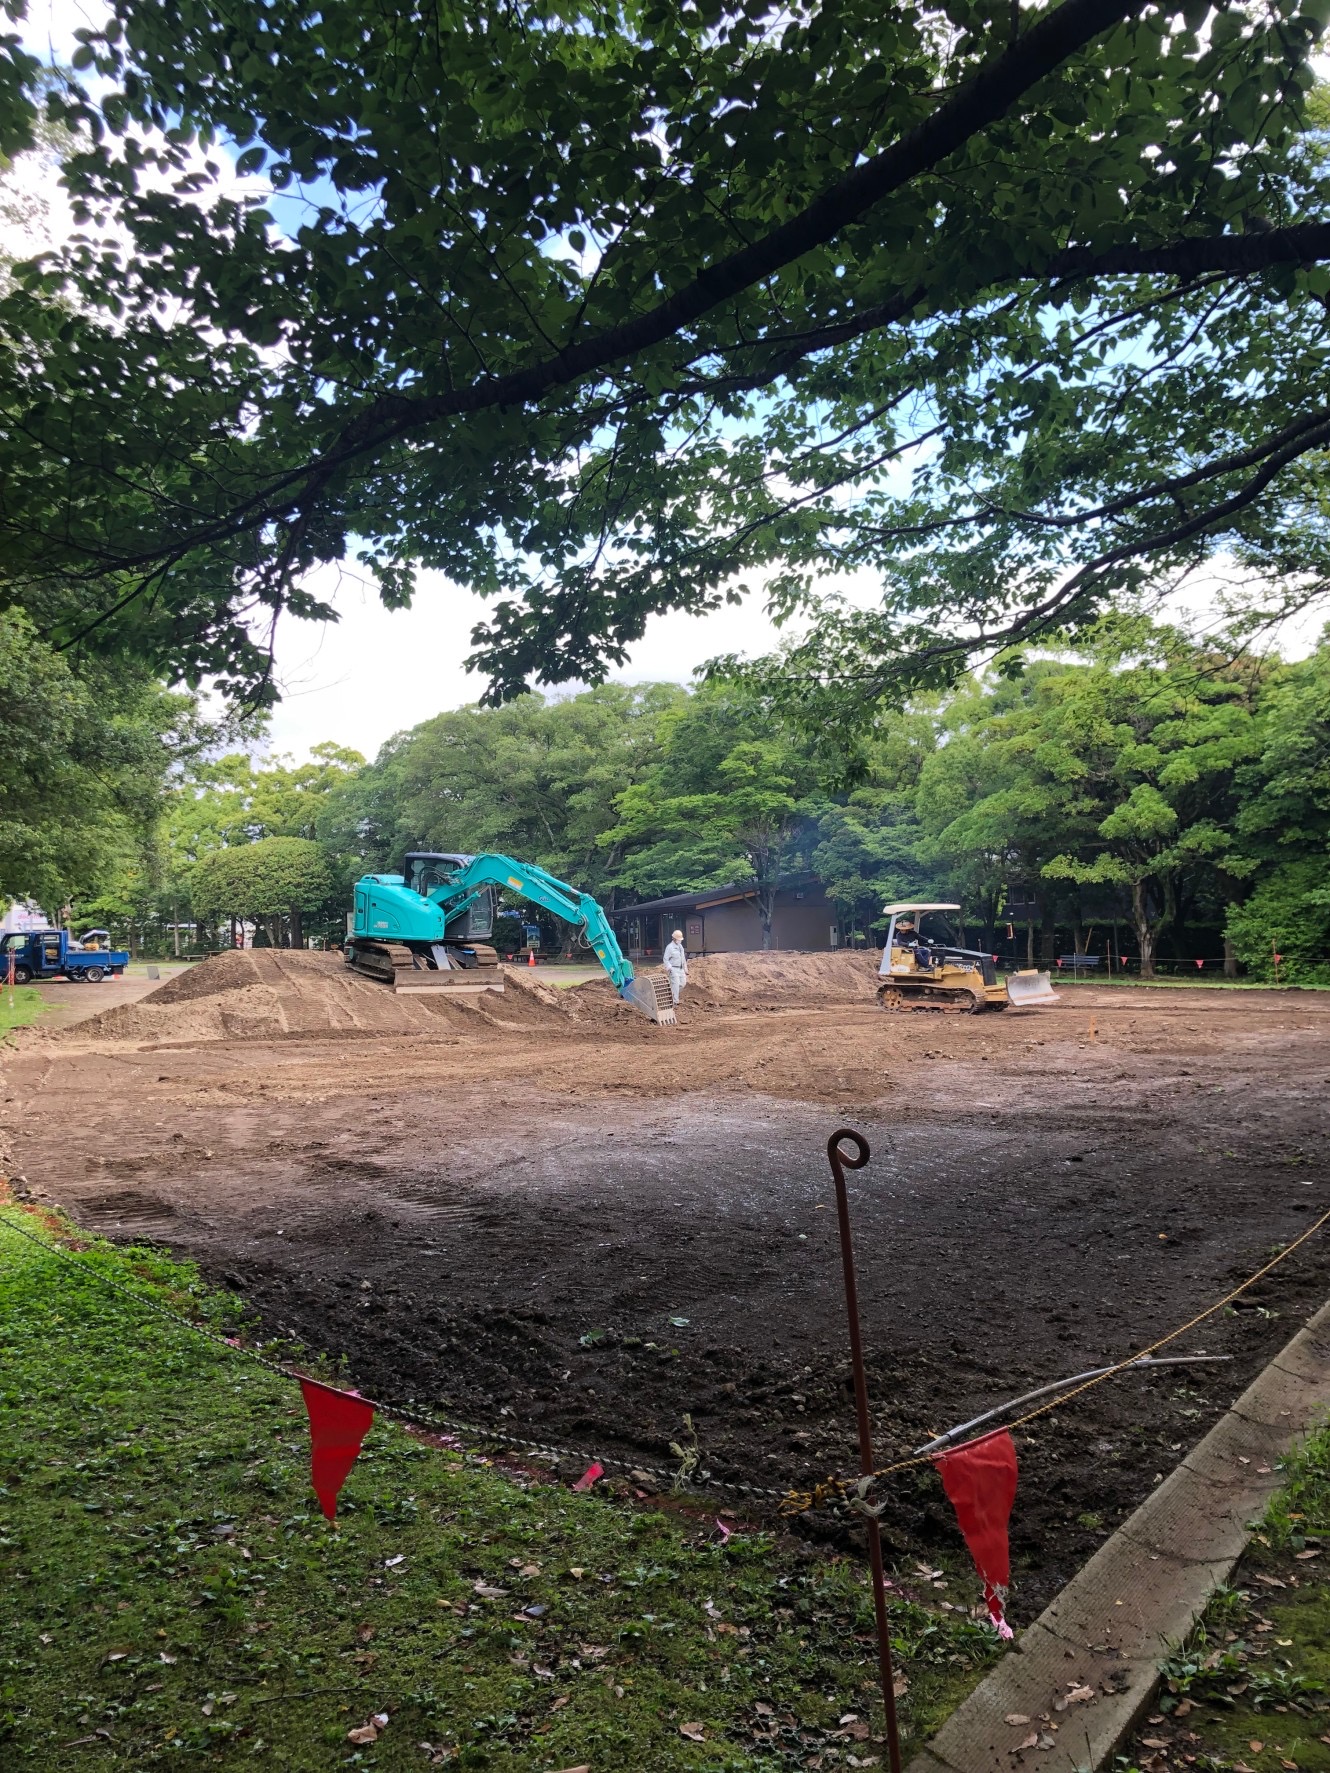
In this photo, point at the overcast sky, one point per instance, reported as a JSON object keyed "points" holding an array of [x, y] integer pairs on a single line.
{"points": [[375, 671]]}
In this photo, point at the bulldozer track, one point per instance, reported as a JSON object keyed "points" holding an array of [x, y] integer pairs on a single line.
{"points": [[960, 1002]]}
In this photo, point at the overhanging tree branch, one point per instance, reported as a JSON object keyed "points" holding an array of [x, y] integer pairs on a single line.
{"points": [[976, 103]]}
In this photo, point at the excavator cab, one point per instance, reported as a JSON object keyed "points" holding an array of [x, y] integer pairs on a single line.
{"points": [[430, 873]]}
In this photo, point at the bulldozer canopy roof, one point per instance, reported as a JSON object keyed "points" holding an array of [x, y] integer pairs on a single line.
{"points": [[895, 910]]}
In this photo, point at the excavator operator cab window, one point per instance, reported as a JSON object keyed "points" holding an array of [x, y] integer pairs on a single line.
{"points": [[425, 871]]}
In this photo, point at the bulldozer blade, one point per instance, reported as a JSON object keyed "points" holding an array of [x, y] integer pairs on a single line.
{"points": [[1029, 988], [650, 993]]}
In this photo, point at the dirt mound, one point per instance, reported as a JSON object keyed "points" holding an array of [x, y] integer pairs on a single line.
{"points": [[271, 994], [225, 972], [773, 979]]}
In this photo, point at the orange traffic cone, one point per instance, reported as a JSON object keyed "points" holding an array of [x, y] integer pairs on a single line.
{"points": [[531, 957]]}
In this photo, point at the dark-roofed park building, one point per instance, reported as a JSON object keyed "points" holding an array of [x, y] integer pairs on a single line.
{"points": [[726, 920]]}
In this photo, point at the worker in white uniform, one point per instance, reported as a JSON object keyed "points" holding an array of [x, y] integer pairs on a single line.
{"points": [[675, 958]]}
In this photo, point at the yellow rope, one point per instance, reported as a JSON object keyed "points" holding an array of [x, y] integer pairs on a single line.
{"points": [[834, 1488]]}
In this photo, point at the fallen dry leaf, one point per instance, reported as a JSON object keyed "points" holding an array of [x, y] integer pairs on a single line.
{"points": [[584, 1768], [1154, 1742], [560, 1702], [1017, 1717], [1255, 1746], [365, 1733], [1304, 1555], [487, 1590], [1080, 1695], [1031, 1741], [694, 1732]]}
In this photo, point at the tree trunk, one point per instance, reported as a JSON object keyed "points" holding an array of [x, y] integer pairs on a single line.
{"points": [[1230, 960], [1029, 940], [766, 910], [1145, 933], [233, 932], [297, 928]]}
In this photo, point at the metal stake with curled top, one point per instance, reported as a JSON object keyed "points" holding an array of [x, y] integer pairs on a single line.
{"points": [[840, 1162]]}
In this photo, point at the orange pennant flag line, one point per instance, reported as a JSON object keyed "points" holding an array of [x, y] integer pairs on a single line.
{"points": [[338, 1424]]}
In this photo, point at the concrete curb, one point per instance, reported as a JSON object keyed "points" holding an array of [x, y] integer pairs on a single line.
{"points": [[1141, 1591]]}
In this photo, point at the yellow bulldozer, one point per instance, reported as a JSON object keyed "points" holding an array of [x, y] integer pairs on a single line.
{"points": [[923, 968]]}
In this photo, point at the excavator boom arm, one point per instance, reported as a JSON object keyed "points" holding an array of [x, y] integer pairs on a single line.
{"points": [[543, 889]]}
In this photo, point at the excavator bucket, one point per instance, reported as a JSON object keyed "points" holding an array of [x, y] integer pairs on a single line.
{"points": [[650, 993], [1030, 988]]}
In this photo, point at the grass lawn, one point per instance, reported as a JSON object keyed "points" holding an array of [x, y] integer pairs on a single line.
{"points": [[1250, 1690], [19, 1007], [171, 1596], [1174, 982]]}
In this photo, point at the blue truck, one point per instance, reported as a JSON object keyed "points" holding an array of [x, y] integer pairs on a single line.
{"points": [[55, 954]]}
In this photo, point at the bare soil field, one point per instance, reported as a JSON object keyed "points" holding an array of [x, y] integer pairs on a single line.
{"points": [[508, 1204]]}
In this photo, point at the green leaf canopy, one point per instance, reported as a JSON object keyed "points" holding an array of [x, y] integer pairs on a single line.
{"points": [[608, 309], [273, 877]]}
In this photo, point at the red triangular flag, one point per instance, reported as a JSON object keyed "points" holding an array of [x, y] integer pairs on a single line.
{"points": [[338, 1423], [980, 1481]]}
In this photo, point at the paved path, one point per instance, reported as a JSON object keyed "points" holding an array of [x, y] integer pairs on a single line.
{"points": [[70, 1003]]}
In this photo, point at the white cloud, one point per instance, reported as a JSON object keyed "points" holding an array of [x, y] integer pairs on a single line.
{"points": [[49, 27], [375, 672]]}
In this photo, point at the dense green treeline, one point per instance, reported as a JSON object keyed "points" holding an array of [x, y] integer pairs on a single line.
{"points": [[1173, 797]]}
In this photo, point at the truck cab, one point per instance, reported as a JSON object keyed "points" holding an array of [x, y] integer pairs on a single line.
{"points": [[52, 954]]}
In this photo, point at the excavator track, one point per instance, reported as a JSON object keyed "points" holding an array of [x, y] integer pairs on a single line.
{"points": [[475, 955], [394, 964]]}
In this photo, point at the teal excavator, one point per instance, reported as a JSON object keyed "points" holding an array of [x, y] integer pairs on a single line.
{"points": [[428, 928]]}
